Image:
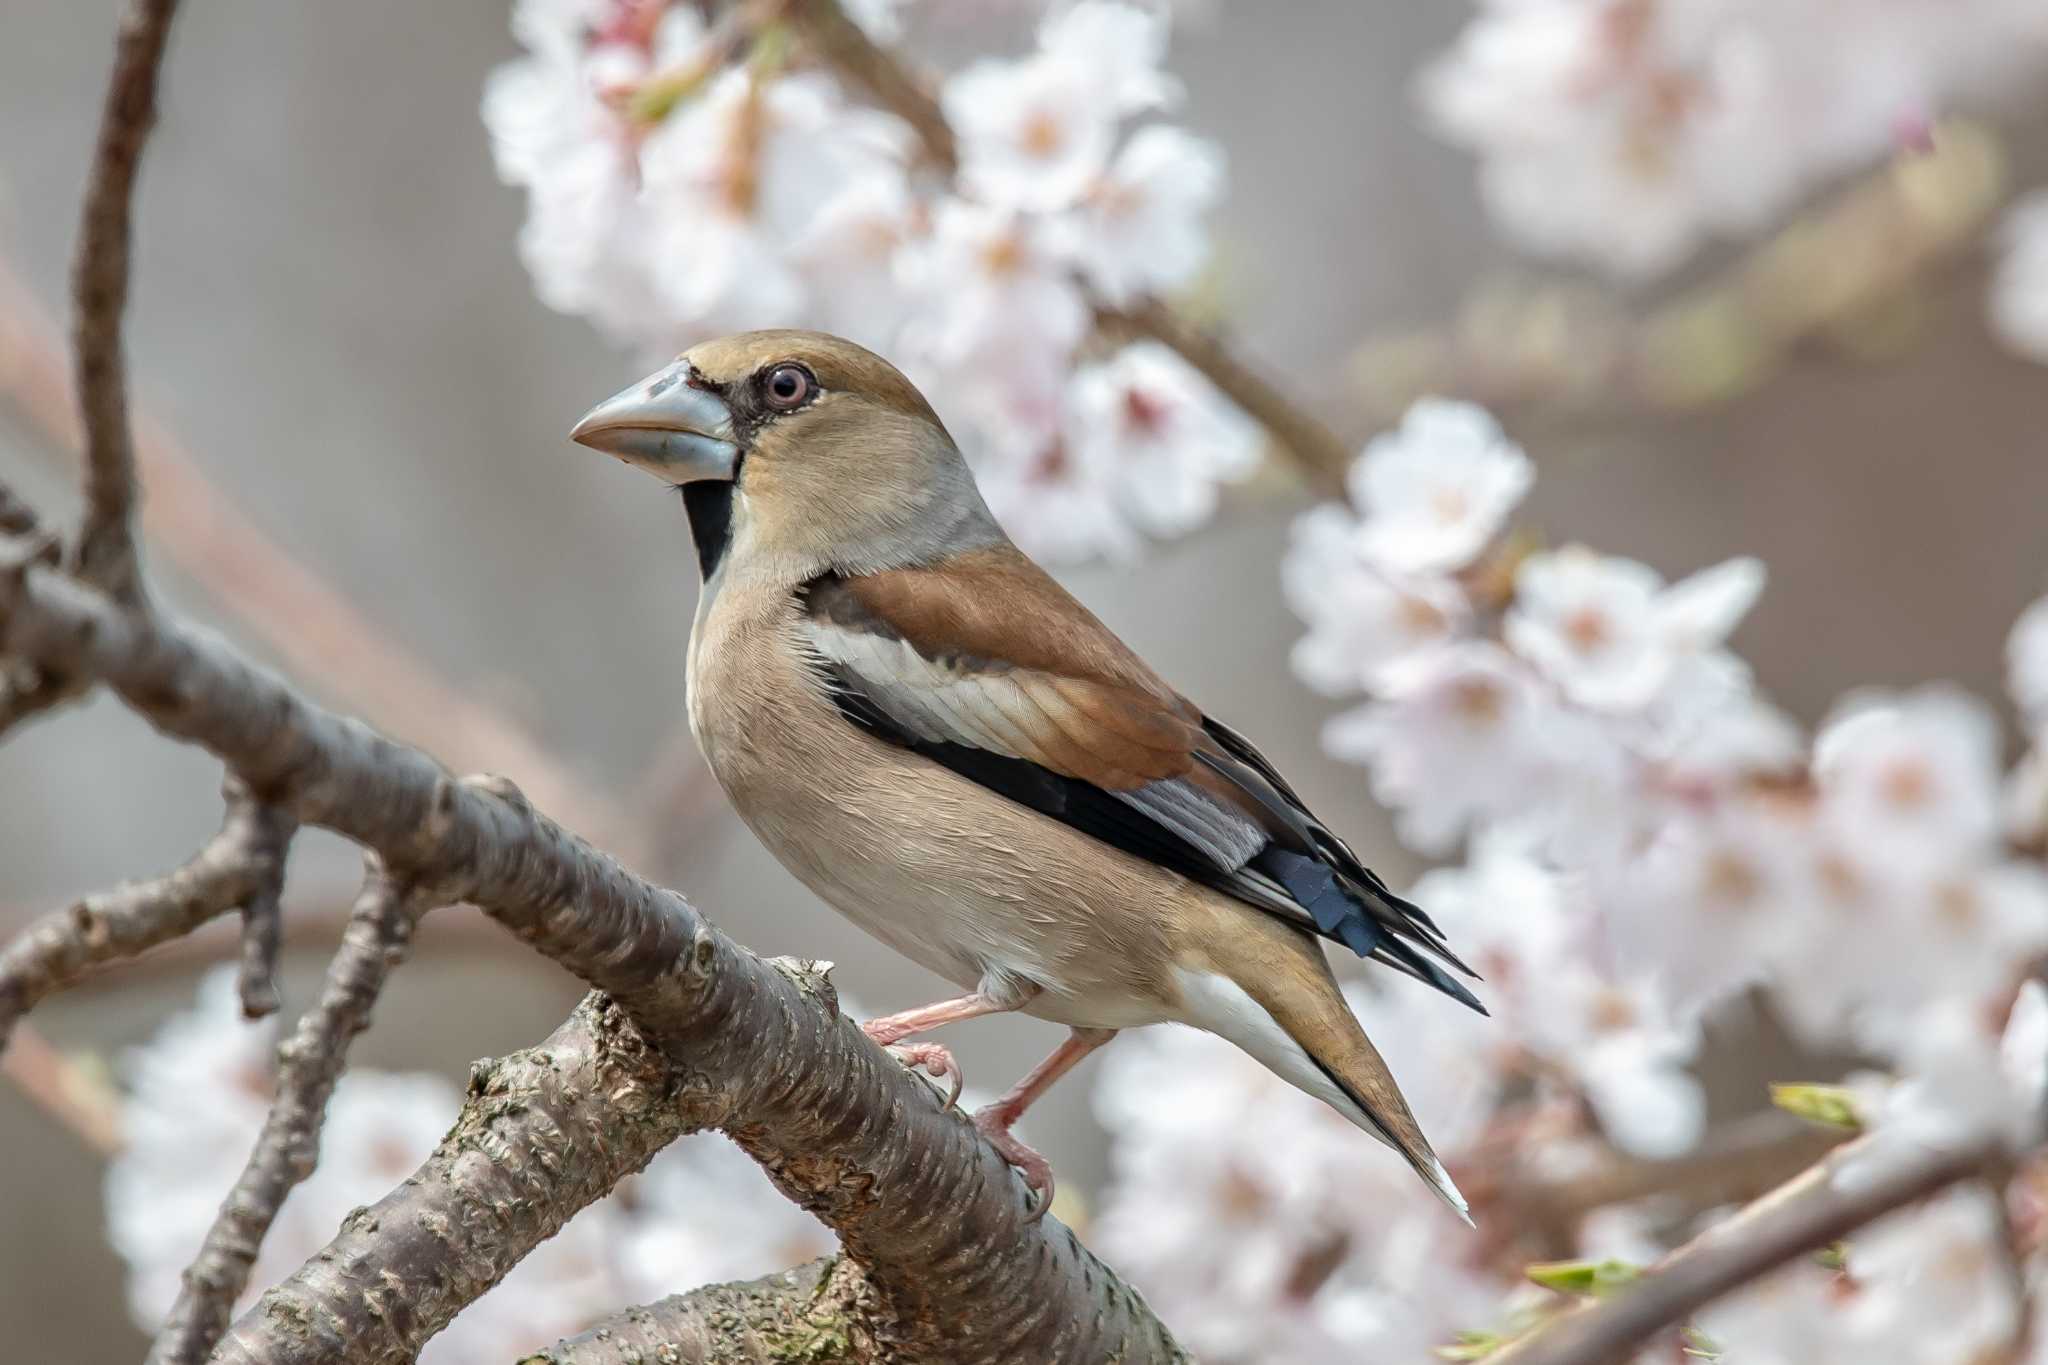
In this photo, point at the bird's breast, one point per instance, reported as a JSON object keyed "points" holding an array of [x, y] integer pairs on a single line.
{"points": [[951, 875]]}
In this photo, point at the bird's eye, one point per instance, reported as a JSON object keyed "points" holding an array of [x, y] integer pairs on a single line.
{"points": [[788, 386]]}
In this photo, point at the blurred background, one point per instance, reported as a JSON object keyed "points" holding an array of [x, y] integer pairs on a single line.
{"points": [[333, 329]]}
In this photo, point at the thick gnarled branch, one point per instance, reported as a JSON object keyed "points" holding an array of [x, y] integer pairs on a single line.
{"points": [[813, 1313]]}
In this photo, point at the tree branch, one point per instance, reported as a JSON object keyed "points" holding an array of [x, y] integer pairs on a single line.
{"points": [[935, 1218], [1803, 1215], [812, 1313], [542, 1134], [86, 1108], [309, 1064], [241, 863], [99, 283], [1317, 453]]}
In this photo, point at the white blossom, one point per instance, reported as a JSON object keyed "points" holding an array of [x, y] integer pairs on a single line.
{"points": [[1930, 1288], [1140, 228], [1160, 436], [1036, 133], [1434, 492], [1361, 618], [1909, 783], [1625, 133], [997, 291], [738, 176], [1609, 633], [2026, 664], [1459, 734], [2018, 300]]}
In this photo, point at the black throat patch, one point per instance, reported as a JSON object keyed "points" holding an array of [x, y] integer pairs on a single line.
{"points": [[708, 504]]}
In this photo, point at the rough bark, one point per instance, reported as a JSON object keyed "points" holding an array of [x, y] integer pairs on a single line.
{"points": [[813, 1313], [542, 1134]]}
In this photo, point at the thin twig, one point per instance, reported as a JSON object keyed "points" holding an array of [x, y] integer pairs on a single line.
{"points": [[1317, 453], [54, 1085], [239, 863], [263, 916], [99, 284], [1803, 1215], [309, 1064]]}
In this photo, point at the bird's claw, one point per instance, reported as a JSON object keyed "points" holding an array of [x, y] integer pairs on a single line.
{"points": [[936, 1061], [994, 1124]]}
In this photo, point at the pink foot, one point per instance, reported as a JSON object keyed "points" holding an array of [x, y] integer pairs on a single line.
{"points": [[936, 1061], [994, 1124]]}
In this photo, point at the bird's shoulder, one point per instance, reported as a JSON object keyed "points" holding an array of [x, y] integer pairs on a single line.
{"points": [[985, 649]]}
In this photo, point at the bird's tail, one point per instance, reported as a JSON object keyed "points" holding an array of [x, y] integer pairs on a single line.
{"points": [[1293, 1018]]}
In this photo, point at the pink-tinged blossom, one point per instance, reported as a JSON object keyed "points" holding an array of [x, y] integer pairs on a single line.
{"points": [[1361, 619], [1909, 784], [1930, 1289], [738, 175], [1609, 633], [1159, 436], [1624, 134], [1458, 736], [1434, 492], [1141, 228], [1790, 1317], [1036, 133], [2018, 301], [996, 290], [2026, 664]]}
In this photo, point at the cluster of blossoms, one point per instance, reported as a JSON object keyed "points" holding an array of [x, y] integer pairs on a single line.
{"points": [[1644, 835], [700, 1213], [1625, 133], [677, 191]]}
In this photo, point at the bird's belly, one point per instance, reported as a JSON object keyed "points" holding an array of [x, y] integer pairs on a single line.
{"points": [[959, 880]]}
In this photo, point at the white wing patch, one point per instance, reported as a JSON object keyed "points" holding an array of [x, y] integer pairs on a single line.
{"points": [[983, 709]]}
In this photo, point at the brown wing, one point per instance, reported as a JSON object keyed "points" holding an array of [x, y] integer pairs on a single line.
{"points": [[990, 668]]}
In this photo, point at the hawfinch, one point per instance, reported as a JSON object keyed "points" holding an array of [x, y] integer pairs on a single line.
{"points": [[954, 753]]}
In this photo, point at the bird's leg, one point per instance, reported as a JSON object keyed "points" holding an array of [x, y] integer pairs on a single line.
{"points": [[996, 1120], [935, 1059]]}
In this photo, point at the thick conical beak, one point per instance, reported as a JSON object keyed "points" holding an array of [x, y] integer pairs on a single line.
{"points": [[675, 432]]}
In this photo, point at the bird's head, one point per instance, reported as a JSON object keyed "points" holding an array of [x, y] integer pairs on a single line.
{"points": [[799, 449]]}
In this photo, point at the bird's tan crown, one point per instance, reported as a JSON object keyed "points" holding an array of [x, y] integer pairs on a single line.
{"points": [[839, 365]]}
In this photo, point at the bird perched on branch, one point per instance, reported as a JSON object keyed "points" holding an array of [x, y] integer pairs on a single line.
{"points": [[954, 753]]}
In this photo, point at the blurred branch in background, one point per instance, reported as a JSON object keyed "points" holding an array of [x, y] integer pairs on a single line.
{"points": [[313, 628], [87, 1109], [1806, 1214], [1848, 272]]}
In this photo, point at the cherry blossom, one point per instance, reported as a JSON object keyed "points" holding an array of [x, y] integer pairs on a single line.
{"points": [[2026, 664], [1433, 493], [2018, 302], [1161, 436], [1625, 133], [1909, 783], [1140, 228], [1458, 735], [1609, 633]]}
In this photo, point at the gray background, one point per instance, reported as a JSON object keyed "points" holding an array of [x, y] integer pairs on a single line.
{"points": [[329, 311]]}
